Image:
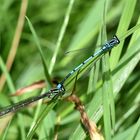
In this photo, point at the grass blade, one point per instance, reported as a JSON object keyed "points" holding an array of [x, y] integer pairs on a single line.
{"points": [[6, 131], [12, 90], [107, 90], [8, 77], [41, 117], [136, 30], [61, 34], [123, 26], [132, 133], [126, 66], [42, 55]]}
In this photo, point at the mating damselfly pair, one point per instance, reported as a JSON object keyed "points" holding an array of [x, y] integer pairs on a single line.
{"points": [[60, 88]]}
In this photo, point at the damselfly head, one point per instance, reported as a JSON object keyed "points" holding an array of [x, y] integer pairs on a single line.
{"points": [[111, 43], [114, 41]]}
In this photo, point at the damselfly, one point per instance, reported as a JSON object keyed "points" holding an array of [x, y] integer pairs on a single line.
{"points": [[60, 88], [105, 48], [15, 107]]}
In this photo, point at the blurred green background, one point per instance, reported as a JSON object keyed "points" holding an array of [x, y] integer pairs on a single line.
{"points": [[82, 29]]}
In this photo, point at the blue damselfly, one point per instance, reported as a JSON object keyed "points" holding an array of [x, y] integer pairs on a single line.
{"points": [[60, 88]]}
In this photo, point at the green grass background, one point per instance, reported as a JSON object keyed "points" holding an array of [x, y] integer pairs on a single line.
{"points": [[109, 89]]}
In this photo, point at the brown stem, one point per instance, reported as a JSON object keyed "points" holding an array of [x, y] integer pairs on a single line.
{"points": [[16, 39], [88, 124]]}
